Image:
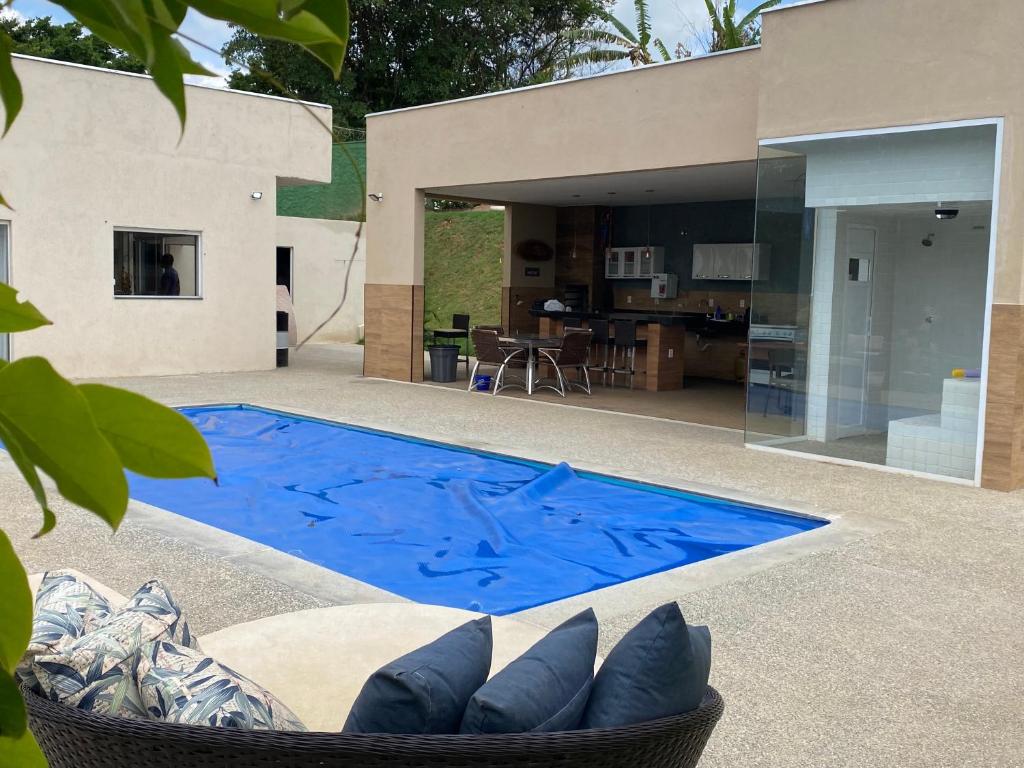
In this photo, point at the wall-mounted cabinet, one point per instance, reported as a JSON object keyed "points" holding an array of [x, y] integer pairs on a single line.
{"points": [[731, 261], [634, 262]]}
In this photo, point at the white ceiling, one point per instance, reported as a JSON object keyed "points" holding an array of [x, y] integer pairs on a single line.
{"points": [[704, 183]]}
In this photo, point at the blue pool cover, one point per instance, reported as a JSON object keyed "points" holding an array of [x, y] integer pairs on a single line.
{"points": [[446, 525]]}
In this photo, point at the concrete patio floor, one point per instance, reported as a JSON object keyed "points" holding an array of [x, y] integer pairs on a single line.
{"points": [[893, 637]]}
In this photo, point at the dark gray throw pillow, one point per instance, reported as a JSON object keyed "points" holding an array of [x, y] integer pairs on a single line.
{"points": [[545, 689], [426, 691], [659, 669]]}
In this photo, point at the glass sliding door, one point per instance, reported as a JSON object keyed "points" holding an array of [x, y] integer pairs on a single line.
{"points": [[873, 352]]}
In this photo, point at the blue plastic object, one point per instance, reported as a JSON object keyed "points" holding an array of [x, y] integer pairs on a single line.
{"points": [[482, 382], [446, 525]]}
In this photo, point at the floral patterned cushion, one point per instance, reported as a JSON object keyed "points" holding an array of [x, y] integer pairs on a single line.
{"points": [[97, 671], [65, 609], [182, 685]]}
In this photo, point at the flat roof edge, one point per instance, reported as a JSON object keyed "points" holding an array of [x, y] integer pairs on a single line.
{"points": [[798, 4], [122, 73], [569, 81]]}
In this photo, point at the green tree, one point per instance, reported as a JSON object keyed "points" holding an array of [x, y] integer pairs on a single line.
{"points": [[726, 32], [475, 47], [617, 42], [66, 42], [85, 436]]}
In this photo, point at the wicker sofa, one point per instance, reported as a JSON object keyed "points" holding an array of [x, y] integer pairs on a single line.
{"points": [[366, 636], [72, 738]]}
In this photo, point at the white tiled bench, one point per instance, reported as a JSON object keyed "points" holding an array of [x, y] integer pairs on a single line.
{"points": [[944, 443]]}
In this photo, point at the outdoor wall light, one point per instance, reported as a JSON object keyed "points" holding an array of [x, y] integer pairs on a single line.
{"points": [[945, 214], [256, 195], [376, 196]]}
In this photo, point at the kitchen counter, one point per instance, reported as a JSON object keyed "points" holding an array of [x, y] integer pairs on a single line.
{"points": [[695, 322]]}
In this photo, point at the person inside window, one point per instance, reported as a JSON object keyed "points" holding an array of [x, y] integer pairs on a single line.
{"points": [[169, 283]]}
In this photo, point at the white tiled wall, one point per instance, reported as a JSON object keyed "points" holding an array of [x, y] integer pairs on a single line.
{"points": [[943, 443], [921, 166], [819, 343]]}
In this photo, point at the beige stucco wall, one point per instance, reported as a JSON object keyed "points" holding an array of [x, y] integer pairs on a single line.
{"points": [[906, 63], [659, 117], [324, 254], [94, 150]]}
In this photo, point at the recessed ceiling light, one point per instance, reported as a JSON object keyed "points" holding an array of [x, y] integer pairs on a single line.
{"points": [[648, 190], [611, 193], [575, 195]]}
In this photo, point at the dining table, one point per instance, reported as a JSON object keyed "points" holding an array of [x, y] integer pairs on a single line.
{"points": [[530, 342]]}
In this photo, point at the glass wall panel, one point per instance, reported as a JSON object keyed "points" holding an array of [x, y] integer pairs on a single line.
{"points": [[873, 351]]}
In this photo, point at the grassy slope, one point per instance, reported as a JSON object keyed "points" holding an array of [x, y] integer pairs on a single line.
{"points": [[462, 267], [341, 199]]}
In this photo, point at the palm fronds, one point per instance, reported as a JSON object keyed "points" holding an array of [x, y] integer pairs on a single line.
{"points": [[660, 47], [643, 23], [751, 17]]}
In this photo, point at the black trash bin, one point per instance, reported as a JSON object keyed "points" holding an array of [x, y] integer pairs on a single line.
{"points": [[444, 362]]}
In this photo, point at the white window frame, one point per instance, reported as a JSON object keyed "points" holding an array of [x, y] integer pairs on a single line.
{"points": [[998, 122], [197, 234]]}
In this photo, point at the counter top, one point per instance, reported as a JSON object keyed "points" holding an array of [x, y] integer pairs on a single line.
{"points": [[692, 321]]}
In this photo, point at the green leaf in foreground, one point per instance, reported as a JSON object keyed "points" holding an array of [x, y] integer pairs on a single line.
{"points": [[13, 720], [17, 315], [16, 599], [149, 438], [10, 86], [22, 752], [28, 471], [15, 630], [50, 420]]}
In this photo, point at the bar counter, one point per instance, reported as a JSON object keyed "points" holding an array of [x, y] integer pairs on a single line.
{"points": [[663, 357]]}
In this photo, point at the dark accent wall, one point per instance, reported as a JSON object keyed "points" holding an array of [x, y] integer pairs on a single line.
{"points": [[582, 236], [678, 227]]}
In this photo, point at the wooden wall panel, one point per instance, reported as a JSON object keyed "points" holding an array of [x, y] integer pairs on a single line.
{"points": [[1003, 462], [416, 345], [664, 372], [388, 315]]}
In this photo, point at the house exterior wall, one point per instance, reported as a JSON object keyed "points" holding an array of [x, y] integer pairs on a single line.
{"points": [[95, 150], [836, 65], [661, 117], [917, 62], [326, 253]]}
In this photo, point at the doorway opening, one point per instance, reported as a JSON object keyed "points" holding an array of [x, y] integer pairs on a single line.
{"points": [[284, 268]]}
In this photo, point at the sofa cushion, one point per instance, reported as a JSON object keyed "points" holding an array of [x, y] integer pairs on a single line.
{"points": [[97, 671], [660, 668], [66, 607], [179, 684], [427, 690], [545, 689]]}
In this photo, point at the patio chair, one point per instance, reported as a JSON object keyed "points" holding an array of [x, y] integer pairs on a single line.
{"points": [[489, 352], [573, 355]]}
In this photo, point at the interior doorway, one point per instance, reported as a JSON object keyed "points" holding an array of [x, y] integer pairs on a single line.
{"points": [[285, 269]]}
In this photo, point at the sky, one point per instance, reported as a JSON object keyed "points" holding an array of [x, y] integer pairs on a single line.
{"points": [[672, 21]]}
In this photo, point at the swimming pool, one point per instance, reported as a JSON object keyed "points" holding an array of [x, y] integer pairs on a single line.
{"points": [[446, 525]]}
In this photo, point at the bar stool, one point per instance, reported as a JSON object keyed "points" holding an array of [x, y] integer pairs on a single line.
{"points": [[625, 340], [600, 329]]}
